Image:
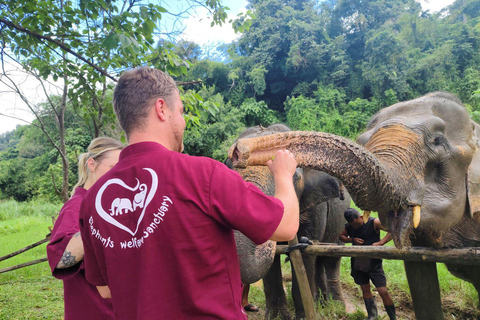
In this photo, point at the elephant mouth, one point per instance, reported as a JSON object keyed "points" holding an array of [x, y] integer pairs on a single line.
{"points": [[400, 224]]}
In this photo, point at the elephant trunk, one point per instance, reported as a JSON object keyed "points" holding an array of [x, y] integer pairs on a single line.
{"points": [[375, 183], [365, 178], [254, 260]]}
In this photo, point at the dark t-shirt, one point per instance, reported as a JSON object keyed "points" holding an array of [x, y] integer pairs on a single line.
{"points": [[158, 232], [81, 299], [367, 233]]}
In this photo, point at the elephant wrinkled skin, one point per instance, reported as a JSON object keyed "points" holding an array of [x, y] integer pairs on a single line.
{"points": [[423, 153], [321, 218]]}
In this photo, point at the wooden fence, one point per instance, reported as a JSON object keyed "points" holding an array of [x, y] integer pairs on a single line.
{"points": [[463, 256]]}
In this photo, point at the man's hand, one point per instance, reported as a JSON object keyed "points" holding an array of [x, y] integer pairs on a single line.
{"points": [[283, 164], [385, 239], [358, 241]]}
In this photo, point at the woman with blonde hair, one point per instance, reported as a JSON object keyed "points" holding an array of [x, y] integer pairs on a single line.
{"points": [[65, 250]]}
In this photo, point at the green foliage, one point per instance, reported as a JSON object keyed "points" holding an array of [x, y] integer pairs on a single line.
{"points": [[324, 66], [283, 47], [383, 67], [257, 79], [86, 45], [216, 131], [32, 165], [257, 113], [329, 112], [467, 87], [13, 210], [14, 181], [211, 73]]}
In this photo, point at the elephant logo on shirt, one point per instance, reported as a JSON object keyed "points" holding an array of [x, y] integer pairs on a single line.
{"points": [[139, 199], [122, 205]]}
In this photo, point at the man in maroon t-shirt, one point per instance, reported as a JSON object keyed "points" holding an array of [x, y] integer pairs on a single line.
{"points": [[158, 228]]}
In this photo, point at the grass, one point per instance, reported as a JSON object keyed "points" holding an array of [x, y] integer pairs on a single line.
{"points": [[459, 298], [32, 293]]}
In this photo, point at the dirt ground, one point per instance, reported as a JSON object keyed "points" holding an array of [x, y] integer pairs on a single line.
{"points": [[404, 307], [353, 303]]}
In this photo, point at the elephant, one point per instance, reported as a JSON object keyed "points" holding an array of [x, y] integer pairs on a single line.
{"points": [[322, 204], [120, 204], [139, 198], [417, 164]]}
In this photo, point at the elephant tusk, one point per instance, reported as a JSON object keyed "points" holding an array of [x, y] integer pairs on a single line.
{"points": [[416, 216], [366, 215]]}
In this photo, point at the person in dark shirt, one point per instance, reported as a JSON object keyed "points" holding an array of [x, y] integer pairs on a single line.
{"points": [[361, 233]]}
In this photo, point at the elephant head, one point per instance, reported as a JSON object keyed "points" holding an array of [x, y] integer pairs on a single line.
{"points": [[428, 146], [417, 158]]}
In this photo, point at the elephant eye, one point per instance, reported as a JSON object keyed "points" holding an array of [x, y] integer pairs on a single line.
{"points": [[438, 140]]}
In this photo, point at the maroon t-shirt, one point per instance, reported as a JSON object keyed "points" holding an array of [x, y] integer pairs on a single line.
{"points": [[81, 299], [158, 230]]}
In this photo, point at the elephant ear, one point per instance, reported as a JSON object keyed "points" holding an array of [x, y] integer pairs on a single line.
{"points": [[473, 178], [318, 187]]}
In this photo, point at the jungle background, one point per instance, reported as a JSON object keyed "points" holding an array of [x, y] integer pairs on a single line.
{"points": [[314, 65]]}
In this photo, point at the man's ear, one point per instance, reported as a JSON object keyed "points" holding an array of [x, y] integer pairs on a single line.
{"points": [[160, 108]]}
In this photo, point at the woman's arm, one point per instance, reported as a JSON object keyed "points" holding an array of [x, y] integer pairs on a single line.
{"points": [[73, 252]]}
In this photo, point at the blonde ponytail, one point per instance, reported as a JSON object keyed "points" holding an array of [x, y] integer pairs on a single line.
{"points": [[96, 151]]}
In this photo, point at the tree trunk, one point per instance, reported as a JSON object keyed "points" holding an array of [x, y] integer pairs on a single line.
{"points": [[63, 150]]}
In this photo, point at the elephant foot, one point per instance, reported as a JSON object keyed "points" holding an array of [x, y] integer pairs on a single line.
{"points": [[300, 315], [273, 314]]}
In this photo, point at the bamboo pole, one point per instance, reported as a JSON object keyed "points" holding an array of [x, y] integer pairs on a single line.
{"points": [[463, 256], [301, 273], [13, 254], [26, 264]]}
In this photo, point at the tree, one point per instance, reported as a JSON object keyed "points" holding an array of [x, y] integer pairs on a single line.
{"points": [[84, 45], [283, 47], [216, 131]]}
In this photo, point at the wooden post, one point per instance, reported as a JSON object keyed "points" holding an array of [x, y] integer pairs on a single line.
{"points": [[26, 264], [301, 273], [26, 248], [463, 256]]}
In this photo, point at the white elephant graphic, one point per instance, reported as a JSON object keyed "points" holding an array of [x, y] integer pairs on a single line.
{"points": [[139, 199], [120, 204]]}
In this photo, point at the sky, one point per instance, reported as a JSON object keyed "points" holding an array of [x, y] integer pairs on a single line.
{"points": [[195, 27]]}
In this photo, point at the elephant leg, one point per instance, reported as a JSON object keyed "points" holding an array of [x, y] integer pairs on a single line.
{"points": [[332, 273], [466, 273], [275, 299], [321, 289], [309, 262], [423, 282]]}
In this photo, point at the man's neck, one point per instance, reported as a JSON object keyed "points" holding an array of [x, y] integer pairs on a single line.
{"points": [[144, 136]]}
